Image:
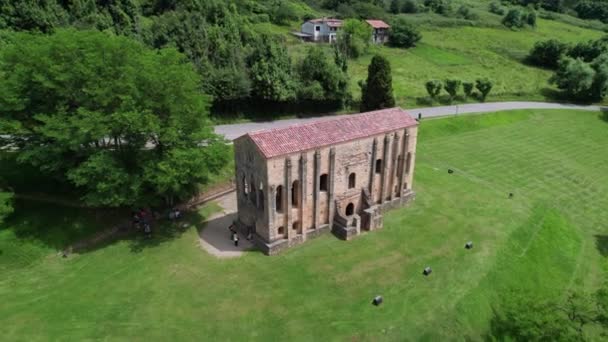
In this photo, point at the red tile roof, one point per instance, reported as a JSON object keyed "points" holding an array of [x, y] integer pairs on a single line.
{"points": [[319, 133], [378, 24]]}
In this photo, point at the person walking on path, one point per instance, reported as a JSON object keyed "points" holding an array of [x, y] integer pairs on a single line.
{"points": [[235, 238]]}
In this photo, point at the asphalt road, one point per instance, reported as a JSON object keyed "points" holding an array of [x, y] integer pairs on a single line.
{"points": [[234, 131]]}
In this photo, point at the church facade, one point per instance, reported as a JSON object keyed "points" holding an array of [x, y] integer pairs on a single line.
{"points": [[338, 174]]}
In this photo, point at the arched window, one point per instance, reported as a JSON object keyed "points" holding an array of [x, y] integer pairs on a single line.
{"points": [[261, 203], [350, 209], [281, 231], [379, 166], [253, 195], [279, 198], [352, 178], [323, 182], [245, 190], [408, 161], [295, 225], [295, 194]]}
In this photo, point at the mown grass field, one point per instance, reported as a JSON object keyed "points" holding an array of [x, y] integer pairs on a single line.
{"points": [[467, 53], [550, 238]]}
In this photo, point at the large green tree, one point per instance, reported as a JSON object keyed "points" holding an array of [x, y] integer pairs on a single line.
{"points": [[271, 71], [354, 38], [124, 123], [322, 78], [377, 91]]}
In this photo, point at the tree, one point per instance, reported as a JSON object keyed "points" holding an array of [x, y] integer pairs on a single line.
{"points": [[283, 13], [377, 91], [590, 50], [271, 71], [465, 12], [599, 87], [452, 86], [321, 79], [484, 86], [531, 19], [40, 16], [433, 87], [574, 77], [403, 34], [496, 8], [395, 6], [513, 18], [354, 37], [125, 124], [547, 53], [409, 6], [6, 207], [438, 6], [467, 87]]}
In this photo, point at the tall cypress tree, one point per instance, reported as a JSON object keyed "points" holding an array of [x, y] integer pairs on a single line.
{"points": [[377, 91]]}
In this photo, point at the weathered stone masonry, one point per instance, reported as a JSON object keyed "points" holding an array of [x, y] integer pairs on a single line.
{"points": [[336, 175]]}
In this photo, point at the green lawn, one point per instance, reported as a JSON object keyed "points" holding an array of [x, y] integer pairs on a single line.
{"points": [[549, 238]]}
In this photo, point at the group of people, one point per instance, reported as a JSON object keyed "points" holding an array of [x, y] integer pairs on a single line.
{"points": [[234, 236], [142, 219]]}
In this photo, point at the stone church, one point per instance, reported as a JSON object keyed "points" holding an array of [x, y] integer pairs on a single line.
{"points": [[338, 174]]}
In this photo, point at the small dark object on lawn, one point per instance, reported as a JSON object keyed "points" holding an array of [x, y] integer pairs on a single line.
{"points": [[64, 254], [469, 245], [377, 300], [427, 271], [511, 195], [419, 116], [450, 171]]}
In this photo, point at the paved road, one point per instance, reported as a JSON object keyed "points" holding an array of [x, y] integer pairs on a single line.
{"points": [[236, 130]]}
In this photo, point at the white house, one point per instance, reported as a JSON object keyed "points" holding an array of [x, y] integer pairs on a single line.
{"points": [[325, 30]]}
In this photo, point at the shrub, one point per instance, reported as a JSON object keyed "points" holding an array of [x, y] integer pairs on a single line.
{"points": [[433, 87], [395, 6], [452, 86], [496, 8], [574, 77], [484, 86], [531, 19], [284, 13], [547, 53], [438, 6], [403, 34], [465, 12], [588, 51], [513, 18], [468, 88]]}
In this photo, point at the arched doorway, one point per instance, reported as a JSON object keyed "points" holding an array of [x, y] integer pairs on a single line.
{"points": [[350, 209]]}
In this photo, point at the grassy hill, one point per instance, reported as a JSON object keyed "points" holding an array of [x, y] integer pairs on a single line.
{"points": [[471, 49], [548, 239]]}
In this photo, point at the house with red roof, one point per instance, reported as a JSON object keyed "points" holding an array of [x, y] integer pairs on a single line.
{"points": [[334, 174], [380, 31]]}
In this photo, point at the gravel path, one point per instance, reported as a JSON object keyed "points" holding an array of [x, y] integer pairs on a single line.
{"points": [[214, 237], [234, 131]]}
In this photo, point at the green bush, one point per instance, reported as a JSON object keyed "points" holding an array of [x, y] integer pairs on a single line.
{"points": [[547, 53], [465, 12], [468, 88], [433, 88], [452, 86], [496, 8], [513, 18], [409, 6], [484, 86], [403, 34]]}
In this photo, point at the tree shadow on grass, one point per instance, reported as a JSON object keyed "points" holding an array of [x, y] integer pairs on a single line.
{"points": [[604, 114], [601, 242]]}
